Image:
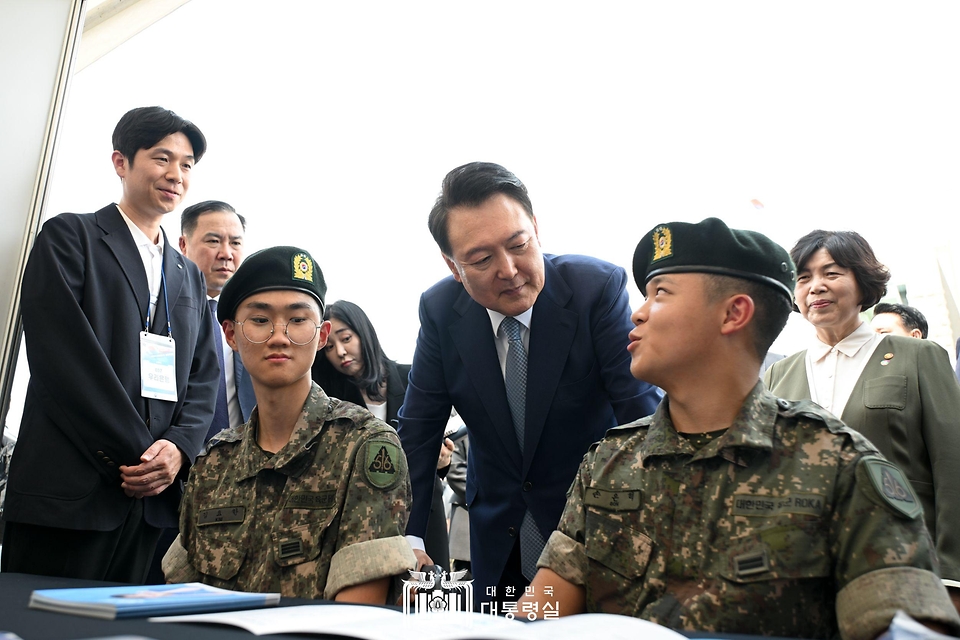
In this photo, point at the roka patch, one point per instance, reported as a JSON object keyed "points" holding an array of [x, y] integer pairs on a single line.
{"points": [[892, 487], [381, 465], [766, 506], [312, 500]]}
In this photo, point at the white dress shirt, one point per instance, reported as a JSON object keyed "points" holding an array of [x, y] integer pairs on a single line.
{"points": [[151, 253], [832, 372], [501, 340]]}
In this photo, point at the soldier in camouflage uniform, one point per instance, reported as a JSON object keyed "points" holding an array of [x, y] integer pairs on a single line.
{"points": [[309, 502], [730, 510]]}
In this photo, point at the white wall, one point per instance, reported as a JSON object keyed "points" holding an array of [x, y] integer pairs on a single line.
{"points": [[37, 42]]}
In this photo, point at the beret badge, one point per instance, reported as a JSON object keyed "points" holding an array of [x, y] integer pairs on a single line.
{"points": [[302, 267], [662, 243]]}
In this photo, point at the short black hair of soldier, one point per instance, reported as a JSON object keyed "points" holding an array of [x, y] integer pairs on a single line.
{"points": [[471, 185], [909, 316], [374, 359], [144, 127], [851, 251], [771, 308], [190, 216]]}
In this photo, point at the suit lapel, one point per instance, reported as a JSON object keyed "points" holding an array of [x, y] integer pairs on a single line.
{"points": [[117, 237], [552, 331], [474, 340], [396, 389], [793, 383]]}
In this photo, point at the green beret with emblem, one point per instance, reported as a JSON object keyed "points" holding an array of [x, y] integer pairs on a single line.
{"points": [[273, 269], [712, 247]]}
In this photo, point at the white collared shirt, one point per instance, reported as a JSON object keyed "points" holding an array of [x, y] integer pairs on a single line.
{"points": [[152, 256], [832, 372], [500, 338]]}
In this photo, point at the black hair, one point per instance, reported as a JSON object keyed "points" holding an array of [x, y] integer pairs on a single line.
{"points": [[771, 307], [849, 250], [190, 215], [909, 316], [374, 359], [471, 185], [144, 127]]}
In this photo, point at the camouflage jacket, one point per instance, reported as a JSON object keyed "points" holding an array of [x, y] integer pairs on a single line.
{"points": [[787, 524], [327, 511]]}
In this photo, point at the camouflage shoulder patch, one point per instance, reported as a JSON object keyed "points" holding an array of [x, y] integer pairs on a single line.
{"points": [[891, 486], [226, 436], [642, 423], [381, 462]]}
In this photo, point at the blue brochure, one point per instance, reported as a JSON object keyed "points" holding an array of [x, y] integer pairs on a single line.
{"points": [[139, 601]]}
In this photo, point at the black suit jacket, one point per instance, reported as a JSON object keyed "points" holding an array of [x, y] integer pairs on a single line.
{"points": [[84, 302]]}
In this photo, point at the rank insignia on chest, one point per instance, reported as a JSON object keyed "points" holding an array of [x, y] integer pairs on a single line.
{"points": [[381, 463]]}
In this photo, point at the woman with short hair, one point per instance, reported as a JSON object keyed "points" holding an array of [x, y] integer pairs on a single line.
{"points": [[901, 393]]}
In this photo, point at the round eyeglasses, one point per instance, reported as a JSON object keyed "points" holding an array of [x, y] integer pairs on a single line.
{"points": [[299, 331]]}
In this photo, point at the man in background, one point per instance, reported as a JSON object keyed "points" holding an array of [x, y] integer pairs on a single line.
{"points": [[123, 372], [899, 319], [212, 236], [530, 350]]}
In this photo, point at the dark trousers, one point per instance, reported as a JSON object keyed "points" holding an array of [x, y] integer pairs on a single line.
{"points": [[155, 574], [512, 582], [121, 555]]}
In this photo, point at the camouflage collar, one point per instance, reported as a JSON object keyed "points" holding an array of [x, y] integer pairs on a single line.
{"points": [[290, 459], [752, 429]]}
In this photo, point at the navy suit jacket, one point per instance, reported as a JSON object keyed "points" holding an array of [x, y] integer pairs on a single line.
{"points": [[579, 385], [84, 304]]}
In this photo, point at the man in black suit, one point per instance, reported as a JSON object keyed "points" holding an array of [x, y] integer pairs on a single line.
{"points": [[211, 236], [123, 370], [529, 349]]}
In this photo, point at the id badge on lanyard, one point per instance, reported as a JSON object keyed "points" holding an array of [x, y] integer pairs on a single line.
{"points": [[158, 367], [158, 358]]}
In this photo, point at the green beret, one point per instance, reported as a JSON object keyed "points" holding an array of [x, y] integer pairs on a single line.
{"points": [[273, 269], [711, 246]]}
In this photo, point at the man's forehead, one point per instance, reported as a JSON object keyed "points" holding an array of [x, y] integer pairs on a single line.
{"points": [[171, 143], [280, 299], [220, 224]]}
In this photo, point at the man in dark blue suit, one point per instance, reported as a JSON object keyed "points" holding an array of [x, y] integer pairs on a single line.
{"points": [[212, 237], [529, 349]]}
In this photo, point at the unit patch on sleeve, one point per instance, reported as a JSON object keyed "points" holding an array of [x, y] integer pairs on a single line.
{"points": [[892, 487], [381, 463]]}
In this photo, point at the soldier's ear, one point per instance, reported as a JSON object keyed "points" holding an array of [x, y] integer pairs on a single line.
{"points": [[738, 313]]}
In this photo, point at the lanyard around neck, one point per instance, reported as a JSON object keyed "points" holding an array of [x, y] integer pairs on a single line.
{"points": [[166, 304]]}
